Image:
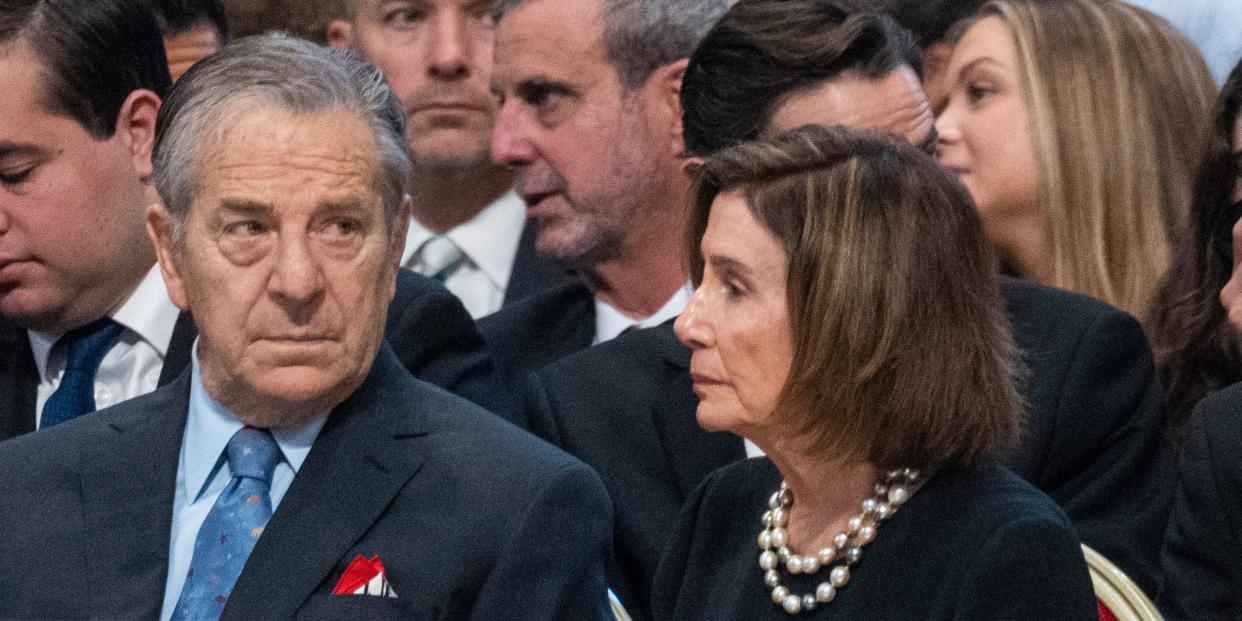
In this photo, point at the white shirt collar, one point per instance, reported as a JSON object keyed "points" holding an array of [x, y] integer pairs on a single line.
{"points": [[610, 322], [147, 312], [209, 426], [489, 239]]}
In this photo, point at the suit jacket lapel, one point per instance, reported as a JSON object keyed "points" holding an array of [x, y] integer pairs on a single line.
{"points": [[19, 382], [693, 452], [356, 467], [127, 542], [532, 273], [177, 358]]}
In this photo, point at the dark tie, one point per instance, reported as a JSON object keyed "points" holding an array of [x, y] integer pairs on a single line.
{"points": [[84, 347], [235, 522]]}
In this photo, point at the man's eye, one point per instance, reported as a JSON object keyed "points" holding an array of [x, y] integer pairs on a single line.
{"points": [[17, 176], [404, 17], [244, 228], [342, 228]]}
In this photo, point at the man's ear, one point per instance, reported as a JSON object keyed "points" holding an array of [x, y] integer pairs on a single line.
{"points": [[396, 242], [667, 82], [340, 34], [135, 125], [160, 230]]}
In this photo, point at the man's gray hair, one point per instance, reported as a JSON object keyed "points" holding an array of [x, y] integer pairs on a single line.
{"points": [[641, 36], [282, 72]]}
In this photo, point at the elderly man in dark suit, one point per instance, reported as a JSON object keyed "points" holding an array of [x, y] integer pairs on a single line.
{"points": [[1092, 436], [296, 469], [85, 320]]}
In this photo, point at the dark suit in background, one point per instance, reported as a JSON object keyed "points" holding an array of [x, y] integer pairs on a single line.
{"points": [[1202, 559], [471, 517], [1092, 438], [430, 331], [532, 273], [541, 329]]}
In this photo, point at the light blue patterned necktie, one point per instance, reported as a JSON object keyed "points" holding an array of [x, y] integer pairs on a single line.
{"points": [[235, 522], [84, 348]]}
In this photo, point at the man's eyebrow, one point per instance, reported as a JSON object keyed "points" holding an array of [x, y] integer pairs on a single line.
{"points": [[543, 85], [244, 206]]}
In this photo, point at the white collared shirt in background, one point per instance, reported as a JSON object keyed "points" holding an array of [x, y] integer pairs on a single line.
{"points": [[490, 241], [610, 322], [1213, 26], [132, 367]]}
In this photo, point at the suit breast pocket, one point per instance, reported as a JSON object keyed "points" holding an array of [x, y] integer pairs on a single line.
{"points": [[343, 607]]}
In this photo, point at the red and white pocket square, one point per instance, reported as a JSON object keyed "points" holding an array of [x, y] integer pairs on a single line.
{"points": [[364, 576]]}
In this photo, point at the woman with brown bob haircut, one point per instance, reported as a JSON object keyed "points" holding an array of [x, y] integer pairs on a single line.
{"points": [[846, 321]]}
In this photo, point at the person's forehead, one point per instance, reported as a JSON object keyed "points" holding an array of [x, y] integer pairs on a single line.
{"points": [[327, 150], [373, 8], [894, 103], [24, 107], [558, 39]]}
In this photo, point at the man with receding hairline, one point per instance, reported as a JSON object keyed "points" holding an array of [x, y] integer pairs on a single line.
{"points": [[589, 123], [85, 320]]}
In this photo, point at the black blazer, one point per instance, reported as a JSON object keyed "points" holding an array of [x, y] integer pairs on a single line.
{"points": [[541, 329], [472, 518], [1202, 558], [970, 546], [532, 273], [1092, 438], [427, 326]]}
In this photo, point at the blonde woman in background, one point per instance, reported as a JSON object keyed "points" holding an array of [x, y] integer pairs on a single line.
{"points": [[1075, 126]]}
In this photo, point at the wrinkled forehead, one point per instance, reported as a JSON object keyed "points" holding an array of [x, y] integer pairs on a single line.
{"points": [[893, 103], [262, 149]]}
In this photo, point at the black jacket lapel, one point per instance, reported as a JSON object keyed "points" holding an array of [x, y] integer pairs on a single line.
{"points": [[177, 358], [357, 465], [693, 452], [127, 542], [19, 382]]}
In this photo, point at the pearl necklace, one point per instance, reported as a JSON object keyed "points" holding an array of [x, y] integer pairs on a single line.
{"points": [[890, 492]]}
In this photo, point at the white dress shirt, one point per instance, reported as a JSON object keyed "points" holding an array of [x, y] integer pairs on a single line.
{"points": [[610, 322], [203, 472], [132, 367], [490, 241]]}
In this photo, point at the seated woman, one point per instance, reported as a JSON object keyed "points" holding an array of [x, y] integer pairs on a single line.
{"points": [[1197, 319], [1197, 337], [846, 321], [1075, 125]]}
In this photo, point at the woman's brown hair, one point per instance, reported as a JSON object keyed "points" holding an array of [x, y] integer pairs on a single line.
{"points": [[902, 354]]}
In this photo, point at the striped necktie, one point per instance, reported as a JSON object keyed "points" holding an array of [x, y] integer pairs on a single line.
{"points": [[438, 258]]}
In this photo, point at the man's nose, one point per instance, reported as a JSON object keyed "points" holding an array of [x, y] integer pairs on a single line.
{"points": [[510, 145], [450, 49], [297, 276]]}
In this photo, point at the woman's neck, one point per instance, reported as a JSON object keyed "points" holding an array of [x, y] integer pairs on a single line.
{"points": [[826, 495]]}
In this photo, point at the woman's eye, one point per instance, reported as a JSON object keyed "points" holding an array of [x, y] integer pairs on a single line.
{"points": [[977, 92]]}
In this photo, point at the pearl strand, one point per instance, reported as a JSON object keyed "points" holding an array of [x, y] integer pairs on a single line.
{"points": [[889, 493]]}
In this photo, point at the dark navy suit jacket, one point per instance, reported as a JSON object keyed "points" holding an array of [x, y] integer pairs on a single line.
{"points": [[532, 273], [427, 326], [471, 517], [1202, 558], [1092, 440]]}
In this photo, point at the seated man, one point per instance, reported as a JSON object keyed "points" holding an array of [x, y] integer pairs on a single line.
{"points": [[85, 321], [296, 469], [1092, 436]]}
